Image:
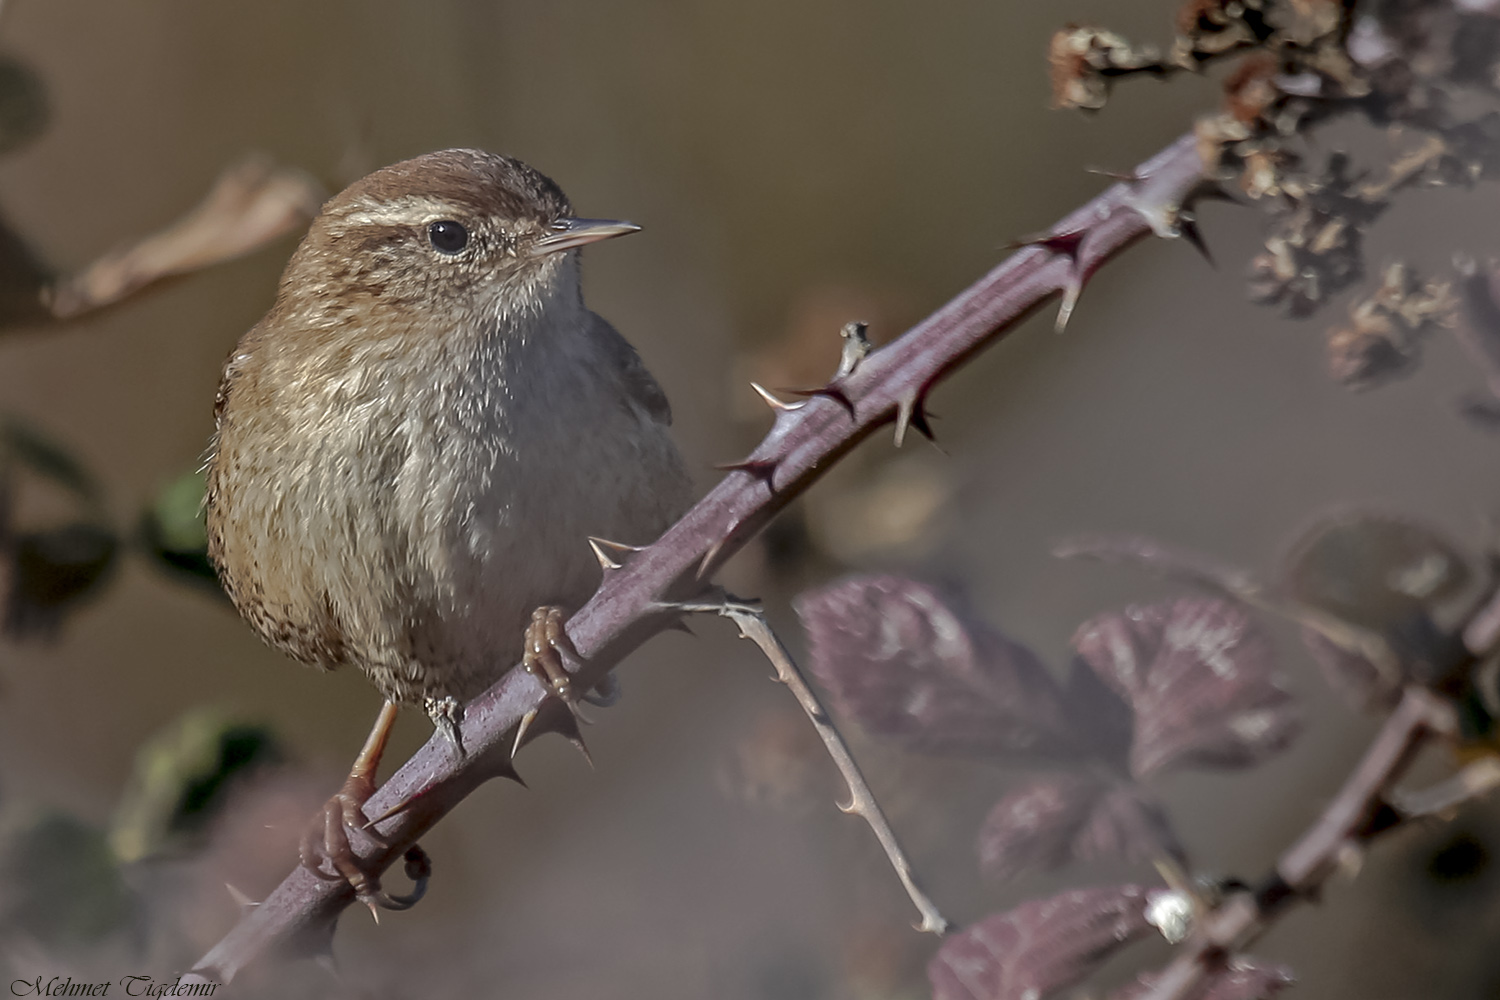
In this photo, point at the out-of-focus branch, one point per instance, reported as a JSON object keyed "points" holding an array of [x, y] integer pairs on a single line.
{"points": [[1367, 806], [889, 385], [251, 204]]}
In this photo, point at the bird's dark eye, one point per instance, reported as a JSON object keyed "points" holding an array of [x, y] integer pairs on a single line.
{"points": [[448, 236]]}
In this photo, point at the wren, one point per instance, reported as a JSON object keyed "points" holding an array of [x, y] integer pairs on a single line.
{"points": [[414, 445]]}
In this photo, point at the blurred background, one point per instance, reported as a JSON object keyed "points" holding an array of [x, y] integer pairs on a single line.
{"points": [[795, 165]]}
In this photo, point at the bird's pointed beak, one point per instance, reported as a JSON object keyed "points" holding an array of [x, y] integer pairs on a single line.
{"points": [[570, 233]]}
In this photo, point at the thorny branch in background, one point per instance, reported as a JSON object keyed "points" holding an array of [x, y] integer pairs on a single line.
{"points": [[752, 624], [891, 384]]}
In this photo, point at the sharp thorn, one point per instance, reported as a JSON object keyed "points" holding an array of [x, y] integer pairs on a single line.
{"points": [[1065, 243], [681, 626], [506, 769], [1130, 177], [605, 562], [620, 547], [547, 718], [374, 910], [521, 728], [602, 547], [761, 468], [395, 810], [904, 411], [709, 559], [834, 391], [1188, 226], [919, 421], [848, 810], [778, 405], [909, 414], [1069, 302]]}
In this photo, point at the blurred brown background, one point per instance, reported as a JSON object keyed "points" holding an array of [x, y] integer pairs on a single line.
{"points": [[795, 165]]}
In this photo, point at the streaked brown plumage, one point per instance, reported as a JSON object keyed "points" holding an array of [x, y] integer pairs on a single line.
{"points": [[414, 444]]}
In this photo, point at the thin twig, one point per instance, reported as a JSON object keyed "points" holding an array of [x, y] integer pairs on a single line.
{"points": [[803, 444], [1471, 782], [753, 626]]}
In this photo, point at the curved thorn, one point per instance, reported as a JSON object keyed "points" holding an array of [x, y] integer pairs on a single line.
{"points": [[620, 547], [521, 728], [547, 718], [778, 405], [909, 414], [763, 469], [395, 810], [605, 562], [834, 391], [1069, 302], [1064, 243], [508, 770], [709, 558]]}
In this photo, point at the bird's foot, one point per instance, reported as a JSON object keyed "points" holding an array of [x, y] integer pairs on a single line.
{"points": [[549, 651], [548, 654], [327, 839]]}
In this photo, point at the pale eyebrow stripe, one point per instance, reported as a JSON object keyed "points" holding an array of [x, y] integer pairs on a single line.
{"points": [[410, 210]]}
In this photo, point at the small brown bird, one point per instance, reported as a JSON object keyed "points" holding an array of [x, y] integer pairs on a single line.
{"points": [[415, 443]]}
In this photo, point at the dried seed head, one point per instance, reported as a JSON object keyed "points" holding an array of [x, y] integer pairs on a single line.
{"points": [[1083, 59]]}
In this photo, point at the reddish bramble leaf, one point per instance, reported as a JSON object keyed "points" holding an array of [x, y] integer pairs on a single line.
{"points": [[1200, 678], [1058, 818], [895, 656], [1040, 946]]}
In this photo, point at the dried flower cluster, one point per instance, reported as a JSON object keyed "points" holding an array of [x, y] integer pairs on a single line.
{"points": [[1427, 74]]}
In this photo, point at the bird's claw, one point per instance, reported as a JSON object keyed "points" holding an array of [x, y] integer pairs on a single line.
{"points": [[327, 839]]}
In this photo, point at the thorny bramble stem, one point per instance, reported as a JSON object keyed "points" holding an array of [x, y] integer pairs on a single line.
{"points": [[889, 385]]}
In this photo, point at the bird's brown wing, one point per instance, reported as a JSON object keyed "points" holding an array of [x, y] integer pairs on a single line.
{"points": [[639, 384]]}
